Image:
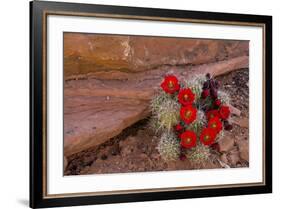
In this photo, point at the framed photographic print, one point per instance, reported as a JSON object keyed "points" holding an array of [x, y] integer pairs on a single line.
{"points": [[139, 104]]}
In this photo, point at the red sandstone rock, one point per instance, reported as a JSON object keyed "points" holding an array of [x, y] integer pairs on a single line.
{"points": [[242, 122], [226, 144], [234, 158], [90, 121], [96, 110], [88, 53], [244, 149], [110, 80], [234, 110]]}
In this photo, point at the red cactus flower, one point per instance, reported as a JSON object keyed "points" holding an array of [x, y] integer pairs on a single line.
{"points": [[188, 114], [170, 84], [186, 96], [212, 113], [208, 136], [205, 93], [217, 102], [215, 124], [224, 112], [188, 139]]}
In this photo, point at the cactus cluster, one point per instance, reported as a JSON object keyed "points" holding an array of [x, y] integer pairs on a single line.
{"points": [[191, 116]]}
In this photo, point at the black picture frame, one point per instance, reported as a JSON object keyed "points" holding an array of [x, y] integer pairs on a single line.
{"points": [[38, 10]]}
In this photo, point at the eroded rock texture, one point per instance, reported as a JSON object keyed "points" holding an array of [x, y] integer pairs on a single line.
{"points": [[87, 53]]}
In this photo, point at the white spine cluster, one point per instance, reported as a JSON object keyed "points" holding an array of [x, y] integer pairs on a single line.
{"points": [[224, 97], [168, 146], [199, 154], [165, 109]]}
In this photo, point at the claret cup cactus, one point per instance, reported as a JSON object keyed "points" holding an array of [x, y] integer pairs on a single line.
{"points": [[191, 116]]}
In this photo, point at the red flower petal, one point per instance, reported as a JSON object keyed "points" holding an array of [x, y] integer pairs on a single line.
{"points": [[224, 112], [212, 113], [186, 97], [215, 124], [188, 114], [170, 84], [208, 136], [188, 139]]}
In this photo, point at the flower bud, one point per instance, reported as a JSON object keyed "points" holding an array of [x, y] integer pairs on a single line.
{"points": [[205, 93], [217, 84], [217, 102], [206, 85], [214, 93], [182, 157]]}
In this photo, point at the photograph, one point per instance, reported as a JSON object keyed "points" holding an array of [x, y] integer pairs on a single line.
{"points": [[134, 103], [140, 104]]}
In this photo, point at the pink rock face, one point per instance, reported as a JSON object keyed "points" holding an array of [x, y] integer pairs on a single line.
{"points": [[90, 121], [88, 53], [85, 53], [109, 81]]}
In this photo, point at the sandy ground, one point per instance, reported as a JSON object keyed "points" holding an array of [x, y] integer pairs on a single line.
{"points": [[134, 150]]}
